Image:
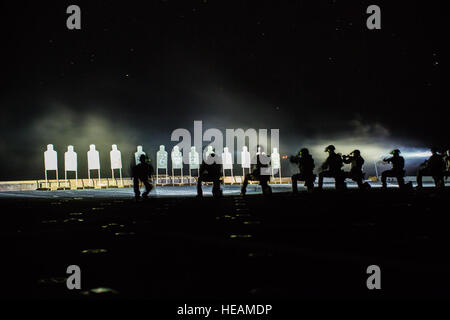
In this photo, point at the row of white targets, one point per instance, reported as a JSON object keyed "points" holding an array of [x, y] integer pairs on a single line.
{"points": [[227, 160], [93, 158], [71, 161]]}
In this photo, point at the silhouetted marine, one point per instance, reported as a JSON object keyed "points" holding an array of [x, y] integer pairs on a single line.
{"points": [[447, 164], [332, 168], [356, 166], [260, 172], [142, 172], [397, 171], [306, 167], [434, 167], [210, 171]]}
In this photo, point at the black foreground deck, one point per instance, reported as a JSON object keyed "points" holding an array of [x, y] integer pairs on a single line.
{"points": [[310, 246]]}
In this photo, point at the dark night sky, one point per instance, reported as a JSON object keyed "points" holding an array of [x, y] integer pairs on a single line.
{"points": [[138, 70]]}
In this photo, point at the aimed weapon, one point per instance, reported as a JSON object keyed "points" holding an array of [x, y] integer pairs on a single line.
{"points": [[293, 159]]}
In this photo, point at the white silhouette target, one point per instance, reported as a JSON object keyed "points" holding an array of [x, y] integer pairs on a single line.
{"points": [[177, 158], [227, 161], [208, 152], [259, 151], [263, 159], [194, 159], [70, 163], [276, 163], [177, 162], [194, 162], [161, 162], [116, 161], [50, 158], [138, 154], [93, 161], [50, 162], [116, 158], [70, 159], [245, 160], [161, 158]]}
